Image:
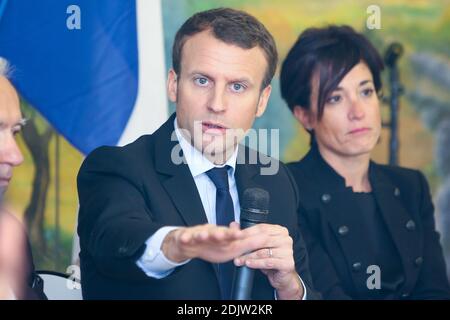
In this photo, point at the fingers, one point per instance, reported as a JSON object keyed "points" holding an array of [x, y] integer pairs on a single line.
{"points": [[262, 246], [209, 234], [266, 229], [235, 225], [278, 264], [280, 258], [274, 247], [275, 252]]}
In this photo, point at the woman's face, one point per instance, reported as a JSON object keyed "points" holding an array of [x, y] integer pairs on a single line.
{"points": [[351, 121]]}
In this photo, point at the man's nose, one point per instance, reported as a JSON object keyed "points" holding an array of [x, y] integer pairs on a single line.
{"points": [[10, 152], [217, 101]]}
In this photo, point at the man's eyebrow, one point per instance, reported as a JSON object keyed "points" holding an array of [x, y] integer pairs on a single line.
{"points": [[206, 75], [22, 122], [200, 73], [243, 79]]}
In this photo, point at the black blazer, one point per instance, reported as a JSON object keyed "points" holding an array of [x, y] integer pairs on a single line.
{"points": [[128, 193], [335, 243]]}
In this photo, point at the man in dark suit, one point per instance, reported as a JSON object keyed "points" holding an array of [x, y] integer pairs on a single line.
{"points": [[157, 217], [17, 277]]}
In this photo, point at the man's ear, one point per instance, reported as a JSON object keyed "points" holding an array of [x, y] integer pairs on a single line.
{"points": [[263, 100], [172, 85], [305, 117]]}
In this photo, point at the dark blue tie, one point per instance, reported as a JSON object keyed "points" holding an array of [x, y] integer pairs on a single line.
{"points": [[224, 216]]}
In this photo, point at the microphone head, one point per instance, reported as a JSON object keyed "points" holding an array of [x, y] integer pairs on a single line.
{"points": [[393, 53], [255, 205]]}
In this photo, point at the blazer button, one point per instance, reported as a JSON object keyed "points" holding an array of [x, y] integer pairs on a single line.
{"points": [[411, 225], [326, 198], [343, 230], [396, 192], [418, 261], [356, 266]]}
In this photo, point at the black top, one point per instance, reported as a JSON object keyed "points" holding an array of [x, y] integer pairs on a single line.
{"points": [[393, 227], [386, 259]]}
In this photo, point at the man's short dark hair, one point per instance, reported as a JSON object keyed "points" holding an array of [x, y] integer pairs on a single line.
{"points": [[232, 27], [331, 52]]}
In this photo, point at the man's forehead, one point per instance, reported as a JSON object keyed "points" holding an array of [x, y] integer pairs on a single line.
{"points": [[9, 103], [7, 90], [205, 47]]}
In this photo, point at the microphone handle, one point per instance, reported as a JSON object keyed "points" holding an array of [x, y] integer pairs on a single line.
{"points": [[241, 290], [243, 276]]}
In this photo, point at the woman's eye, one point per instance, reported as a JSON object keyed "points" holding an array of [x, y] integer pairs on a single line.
{"points": [[237, 87], [334, 99], [203, 82], [367, 92]]}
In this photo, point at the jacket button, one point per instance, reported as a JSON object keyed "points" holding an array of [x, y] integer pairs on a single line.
{"points": [[343, 230], [411, 225], [405, 295], [418, 261], [356, 266], [396, 192], [326, 198]]}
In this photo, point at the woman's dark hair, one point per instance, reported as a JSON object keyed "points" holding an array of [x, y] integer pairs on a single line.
{"points": [[331, 52], [233, 27]]}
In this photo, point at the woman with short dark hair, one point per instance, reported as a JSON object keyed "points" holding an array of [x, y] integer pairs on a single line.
{"points": [[369, 228]]}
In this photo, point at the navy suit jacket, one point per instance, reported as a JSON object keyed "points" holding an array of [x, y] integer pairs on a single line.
{"points": [[128, 193]]}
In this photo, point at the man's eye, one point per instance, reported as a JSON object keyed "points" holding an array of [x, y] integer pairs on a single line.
{"points": [[334, 99], [237, 87], [203, 82], [16, 131]]}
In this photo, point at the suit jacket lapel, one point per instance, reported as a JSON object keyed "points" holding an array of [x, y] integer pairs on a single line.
{"points": [[179, 183], [244, 172]]}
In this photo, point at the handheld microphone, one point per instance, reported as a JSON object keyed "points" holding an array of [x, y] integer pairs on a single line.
{"points": [[254, 210]]}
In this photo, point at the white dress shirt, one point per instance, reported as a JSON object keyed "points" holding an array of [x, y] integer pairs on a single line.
{"points": [[153, 262]]}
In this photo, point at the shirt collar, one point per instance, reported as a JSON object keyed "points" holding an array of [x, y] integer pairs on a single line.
{"points": [[199, 164]]}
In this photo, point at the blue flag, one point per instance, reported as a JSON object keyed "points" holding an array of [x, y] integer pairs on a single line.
{"points": [[76, 62]]}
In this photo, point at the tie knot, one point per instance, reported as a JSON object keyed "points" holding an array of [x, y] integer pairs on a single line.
{"points": [[219, 176]]}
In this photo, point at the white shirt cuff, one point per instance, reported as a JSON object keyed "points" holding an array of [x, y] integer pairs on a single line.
{"points": [[304, 290], [153, 262]]}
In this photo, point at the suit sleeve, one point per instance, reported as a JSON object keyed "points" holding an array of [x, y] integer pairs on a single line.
{"points": [[432, 282], [300, 252], [114, 221]]}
